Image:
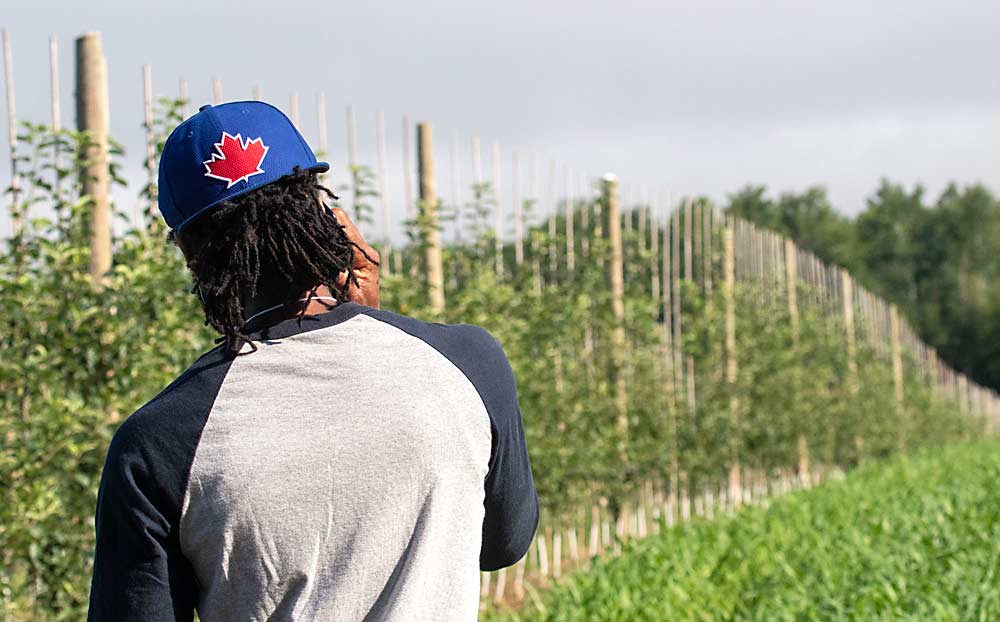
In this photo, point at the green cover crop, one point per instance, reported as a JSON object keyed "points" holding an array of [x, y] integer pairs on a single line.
{"points": [[912, 539]]}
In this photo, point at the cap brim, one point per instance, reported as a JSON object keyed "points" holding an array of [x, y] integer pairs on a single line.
{"points": [[320, 167]]}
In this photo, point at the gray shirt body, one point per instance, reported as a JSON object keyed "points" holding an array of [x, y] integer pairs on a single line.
{"points": [[360, 465]]}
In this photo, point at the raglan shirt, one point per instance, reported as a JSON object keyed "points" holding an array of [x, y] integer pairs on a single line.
{"points": [[360, 465]]}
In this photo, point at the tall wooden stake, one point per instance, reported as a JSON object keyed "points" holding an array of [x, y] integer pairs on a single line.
{"points": [[652, 211], [533, 240], [792, 289], [456, 193], [550, 205], [352, 139], [729, 270], [570, 242], [352, 159], [56, 109], [791, 282], [477, 179], [324, 137], [518, 211], [688, 246], [383, 191], [699, 253], [216, 91], [498, 225], [8, 73], [92, 117], [675, 294], [897, 374], [428, 203], [668, 366], [586, 211], [151, 173], [411, 205], [706, 222], [616, 280], [852, 355]]}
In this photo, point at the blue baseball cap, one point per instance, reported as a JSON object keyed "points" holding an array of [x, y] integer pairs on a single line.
{"points": [[225, 151]]}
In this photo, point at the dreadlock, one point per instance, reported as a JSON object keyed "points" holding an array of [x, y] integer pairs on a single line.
{"points": [[281, 236]]}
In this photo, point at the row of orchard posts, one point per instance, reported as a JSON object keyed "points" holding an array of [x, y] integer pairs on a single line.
{"points": [[777, 267]]}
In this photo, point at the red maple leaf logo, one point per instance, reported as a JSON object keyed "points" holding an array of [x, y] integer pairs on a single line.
{"points": [[235, 159]]}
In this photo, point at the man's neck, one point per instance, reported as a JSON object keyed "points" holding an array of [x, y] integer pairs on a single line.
{"points": [[319, 300]]}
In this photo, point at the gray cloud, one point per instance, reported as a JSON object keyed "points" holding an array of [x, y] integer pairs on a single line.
{"points": [[686, 97]]}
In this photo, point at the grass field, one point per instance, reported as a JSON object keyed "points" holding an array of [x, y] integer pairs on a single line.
{"points": [[911, 539]]}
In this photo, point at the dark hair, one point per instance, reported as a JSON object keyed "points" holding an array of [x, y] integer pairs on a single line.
{"points": [[281, 236]]}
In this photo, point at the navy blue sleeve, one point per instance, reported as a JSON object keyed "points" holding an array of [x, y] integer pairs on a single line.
{"points": [[511, 500], [139, 570]]}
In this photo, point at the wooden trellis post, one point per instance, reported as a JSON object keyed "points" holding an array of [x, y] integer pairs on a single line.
{"points": [[216, 91], [697, 225], [534, 242], [594, 539], [689, 243], [688, 247], [324, 139], [897, 374], [729, 286], [411, 204], [456, 186], [641, 213], [498, 591], [56, 110], [616, 280], [654, 250], [556, 537], [147, 99], [675, 294], [428, 203], [570, 242], [852, 349], [518, 212], [8, 72], [792, 279], [626, 212], [484, 590], [550, 205], [707, 250], [498, 206], [92, 117], [407, 171], [853, 379], [668, 369], [542, 554], [383, 190], [587, 209], [352, 160], [791, 287]]}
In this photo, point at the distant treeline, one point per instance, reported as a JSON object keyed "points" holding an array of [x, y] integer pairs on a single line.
{"points": [[939, 261]]}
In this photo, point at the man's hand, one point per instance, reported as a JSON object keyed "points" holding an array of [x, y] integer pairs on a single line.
{"points": [[366, 291]]}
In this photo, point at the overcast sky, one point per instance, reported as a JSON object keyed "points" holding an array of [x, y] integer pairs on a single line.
{"points": [[694, 97]]}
